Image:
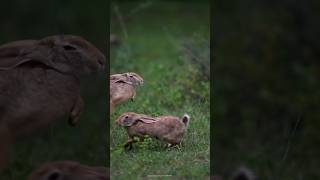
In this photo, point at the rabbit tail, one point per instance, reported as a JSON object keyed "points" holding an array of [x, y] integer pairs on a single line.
{"points": [[185, 120]]}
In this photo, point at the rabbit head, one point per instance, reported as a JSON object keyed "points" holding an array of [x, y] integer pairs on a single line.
{"points": [[65, 53], [69, 170], [129, 119], [129, 78]]}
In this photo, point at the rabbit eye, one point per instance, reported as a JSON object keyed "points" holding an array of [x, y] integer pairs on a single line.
{"points": [[68, 47]]}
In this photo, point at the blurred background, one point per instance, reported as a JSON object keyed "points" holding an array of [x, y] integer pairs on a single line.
{"points": [[266, 88], [87, 142], [167, 43]]}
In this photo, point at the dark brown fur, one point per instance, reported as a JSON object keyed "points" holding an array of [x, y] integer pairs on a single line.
{"points": [[39, 84], [69, 170]]}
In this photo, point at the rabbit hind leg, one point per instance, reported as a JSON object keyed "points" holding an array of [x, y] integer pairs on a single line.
{"points": [[129, 143], [175, 145]]}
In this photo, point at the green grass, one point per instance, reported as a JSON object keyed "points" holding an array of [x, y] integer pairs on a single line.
{"points": [[153, 50]]}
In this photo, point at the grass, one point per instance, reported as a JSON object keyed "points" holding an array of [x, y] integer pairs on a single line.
{"points": [[153, 50]]}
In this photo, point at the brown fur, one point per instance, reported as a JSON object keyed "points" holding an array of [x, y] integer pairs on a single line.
{"points": [[39, 84], [123, 88], [169, 129], [69, 170]]}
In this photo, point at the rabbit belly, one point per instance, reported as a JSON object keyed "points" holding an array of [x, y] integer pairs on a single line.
{"points": [[170, 130], [37, 98], [173, 138]]}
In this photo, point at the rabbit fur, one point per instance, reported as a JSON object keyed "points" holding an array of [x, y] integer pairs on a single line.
{"points": [[39, 83], [169, 129], [69, 170], [123, 88]]}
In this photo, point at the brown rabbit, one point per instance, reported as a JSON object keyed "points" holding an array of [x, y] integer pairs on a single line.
{"points": [[39, 83], [123, 88], [169, 129], [69, 170]]}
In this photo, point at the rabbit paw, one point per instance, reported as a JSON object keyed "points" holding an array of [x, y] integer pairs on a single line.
{"points": [[76, 112], [128, 146]]}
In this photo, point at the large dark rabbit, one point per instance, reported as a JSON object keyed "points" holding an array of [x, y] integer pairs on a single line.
{"points": [[69, 170], [39, 83]]}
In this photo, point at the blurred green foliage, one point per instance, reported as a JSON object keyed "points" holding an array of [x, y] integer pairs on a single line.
{"points": [[196, 50], [85, 143], [266, 89], [155, 40]]}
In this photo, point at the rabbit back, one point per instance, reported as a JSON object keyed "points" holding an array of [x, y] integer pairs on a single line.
{"points": [[168, 129]]}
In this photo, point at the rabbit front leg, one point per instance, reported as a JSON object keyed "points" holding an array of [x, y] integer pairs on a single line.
{"points": [[76, 111], [133, 96], [129, 143]]}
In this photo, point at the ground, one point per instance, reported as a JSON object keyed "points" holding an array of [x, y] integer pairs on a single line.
{"points": [[152, 47]]}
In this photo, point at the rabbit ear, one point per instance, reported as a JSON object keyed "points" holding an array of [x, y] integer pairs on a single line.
{"points": [[130, 122], [115, 76], [27, 51], [20, 52], [119, 80], [123, 81], [10, 54], [147, 120]]}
